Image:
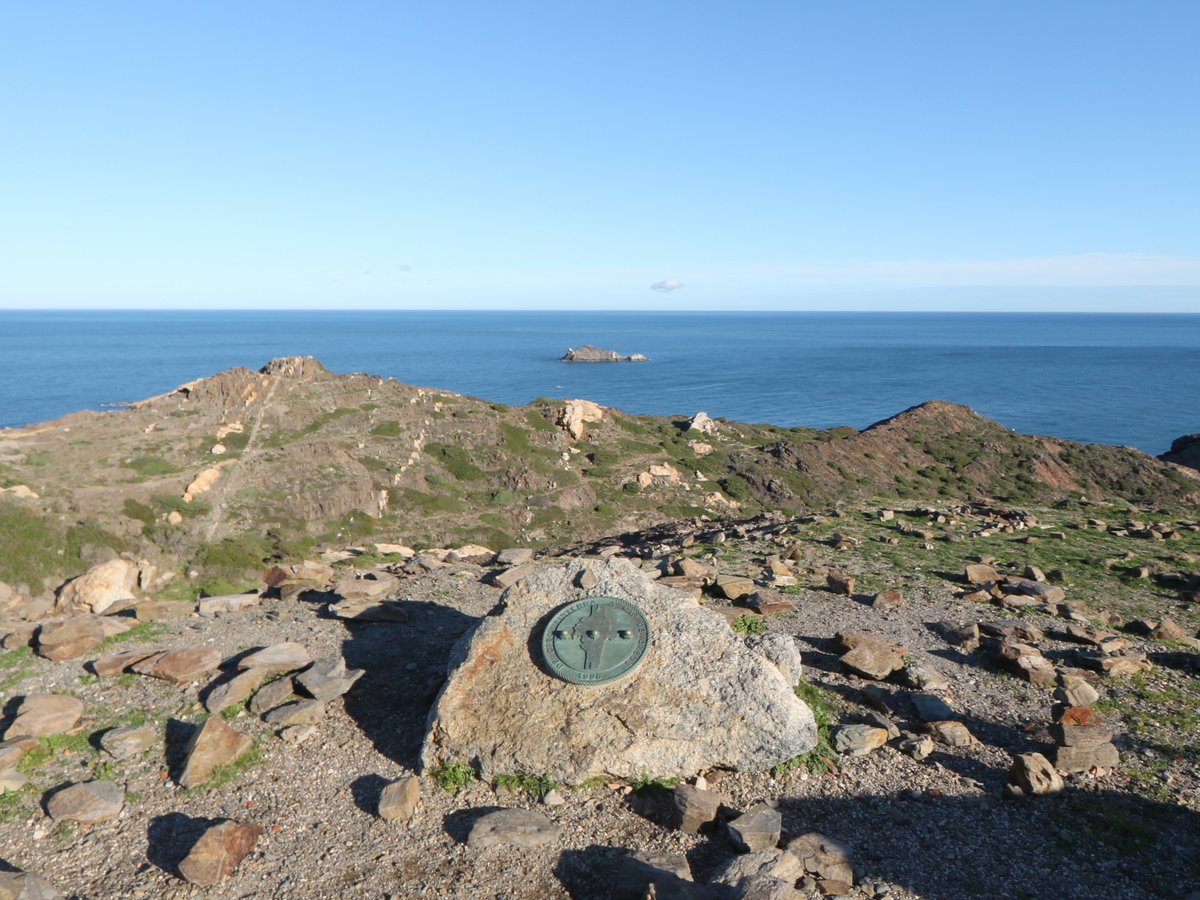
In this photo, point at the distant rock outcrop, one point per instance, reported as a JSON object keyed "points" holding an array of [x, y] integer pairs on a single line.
{"points": [[588, 353], [1185, 451]]}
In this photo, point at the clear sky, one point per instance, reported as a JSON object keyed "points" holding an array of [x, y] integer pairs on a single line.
{"points": [[848, 154]]}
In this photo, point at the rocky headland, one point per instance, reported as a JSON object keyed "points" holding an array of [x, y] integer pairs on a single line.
{"points": [[274, 634]]}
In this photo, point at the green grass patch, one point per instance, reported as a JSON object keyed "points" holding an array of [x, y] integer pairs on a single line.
{"points": [[822, 758], [15, 666], [166, 503], [14, 805], [453, 777], [150, 466], [455, 461], [146, 631], [749, 625], [387, 429], [51, 746], [536, 785], [223, 775], [647, 785]]}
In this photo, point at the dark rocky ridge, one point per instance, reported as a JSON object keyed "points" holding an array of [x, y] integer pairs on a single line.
{"points": [[1185, 451]]}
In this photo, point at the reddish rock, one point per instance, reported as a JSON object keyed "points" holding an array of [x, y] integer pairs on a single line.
{"points": [[840, 583], [214, 744], [39, 715], [116, 663], [180, 666], [278, 658], [981, 574], [889, 599], [219, 851], [70, 638]]}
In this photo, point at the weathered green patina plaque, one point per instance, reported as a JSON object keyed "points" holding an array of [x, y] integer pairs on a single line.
{"points": [[595, 640]]}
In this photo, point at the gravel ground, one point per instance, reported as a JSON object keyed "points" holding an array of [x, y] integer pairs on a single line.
{"points": [[933, 828]]}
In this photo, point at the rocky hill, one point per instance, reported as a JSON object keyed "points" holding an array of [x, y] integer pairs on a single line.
{"points": [[227, 472], [930, 659]]}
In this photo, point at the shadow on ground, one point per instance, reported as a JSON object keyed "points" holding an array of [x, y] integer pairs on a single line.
{"points": [[404, 666], [1077, 845]]}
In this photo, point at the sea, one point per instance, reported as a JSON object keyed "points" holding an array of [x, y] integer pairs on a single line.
{"points": [[1106, 378]]}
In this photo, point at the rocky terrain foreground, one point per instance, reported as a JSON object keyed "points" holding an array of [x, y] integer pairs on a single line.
{"points": [[974, 670], [987, 729]]}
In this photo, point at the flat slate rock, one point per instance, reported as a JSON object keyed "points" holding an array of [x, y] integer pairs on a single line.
{"points": [[26, 886], [214, 744], [327, 678], [87, 802], [278, 658], [180, 666], [669, 717], [69, 639], [301, 712], [234, 690], [219, 851], [512, 827], [116, 663], [39, 715], [122, 743], [758, 828]]}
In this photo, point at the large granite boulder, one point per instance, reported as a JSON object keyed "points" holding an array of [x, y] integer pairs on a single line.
{"points": [[700, 698]]}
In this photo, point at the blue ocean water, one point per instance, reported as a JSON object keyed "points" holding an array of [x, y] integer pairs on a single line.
{"points": [[1117, 379]]}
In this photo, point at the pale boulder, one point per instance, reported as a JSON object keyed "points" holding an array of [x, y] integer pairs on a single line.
{"points": [[99, 588], [672, 716]]}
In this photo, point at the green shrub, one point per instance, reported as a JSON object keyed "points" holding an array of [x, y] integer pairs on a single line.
{"points": [[150, 466], [456, 461], [453, 777], [736, 487], [386, 429], [749, 625]]}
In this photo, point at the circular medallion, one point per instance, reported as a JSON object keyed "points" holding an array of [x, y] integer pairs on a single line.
{"points": [[595, 640]]}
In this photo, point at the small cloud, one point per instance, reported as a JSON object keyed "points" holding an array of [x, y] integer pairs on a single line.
{"points": [[665, 287]]}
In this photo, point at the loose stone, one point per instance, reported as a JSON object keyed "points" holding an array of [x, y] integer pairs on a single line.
{"points": [[756, 829], [39, 715], [214, 744], [515, 827], [219, 852], [87, 802], [694, 807], [399, 800]]}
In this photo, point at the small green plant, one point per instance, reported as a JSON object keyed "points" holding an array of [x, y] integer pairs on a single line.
{"points": [[749, 625], [645, 785], [386, 429], [12, 804], [146, 631], [537, 785], [453, 777], [223, 775], [15, 667], [105, 771], [231, 712], [149, 466], [822, 758]]}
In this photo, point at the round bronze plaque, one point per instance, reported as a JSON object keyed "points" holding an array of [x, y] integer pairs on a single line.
{"points": [[595, 640]]}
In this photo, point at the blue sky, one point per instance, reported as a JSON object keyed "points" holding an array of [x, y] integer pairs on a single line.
{"points": [[851, 155]]}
